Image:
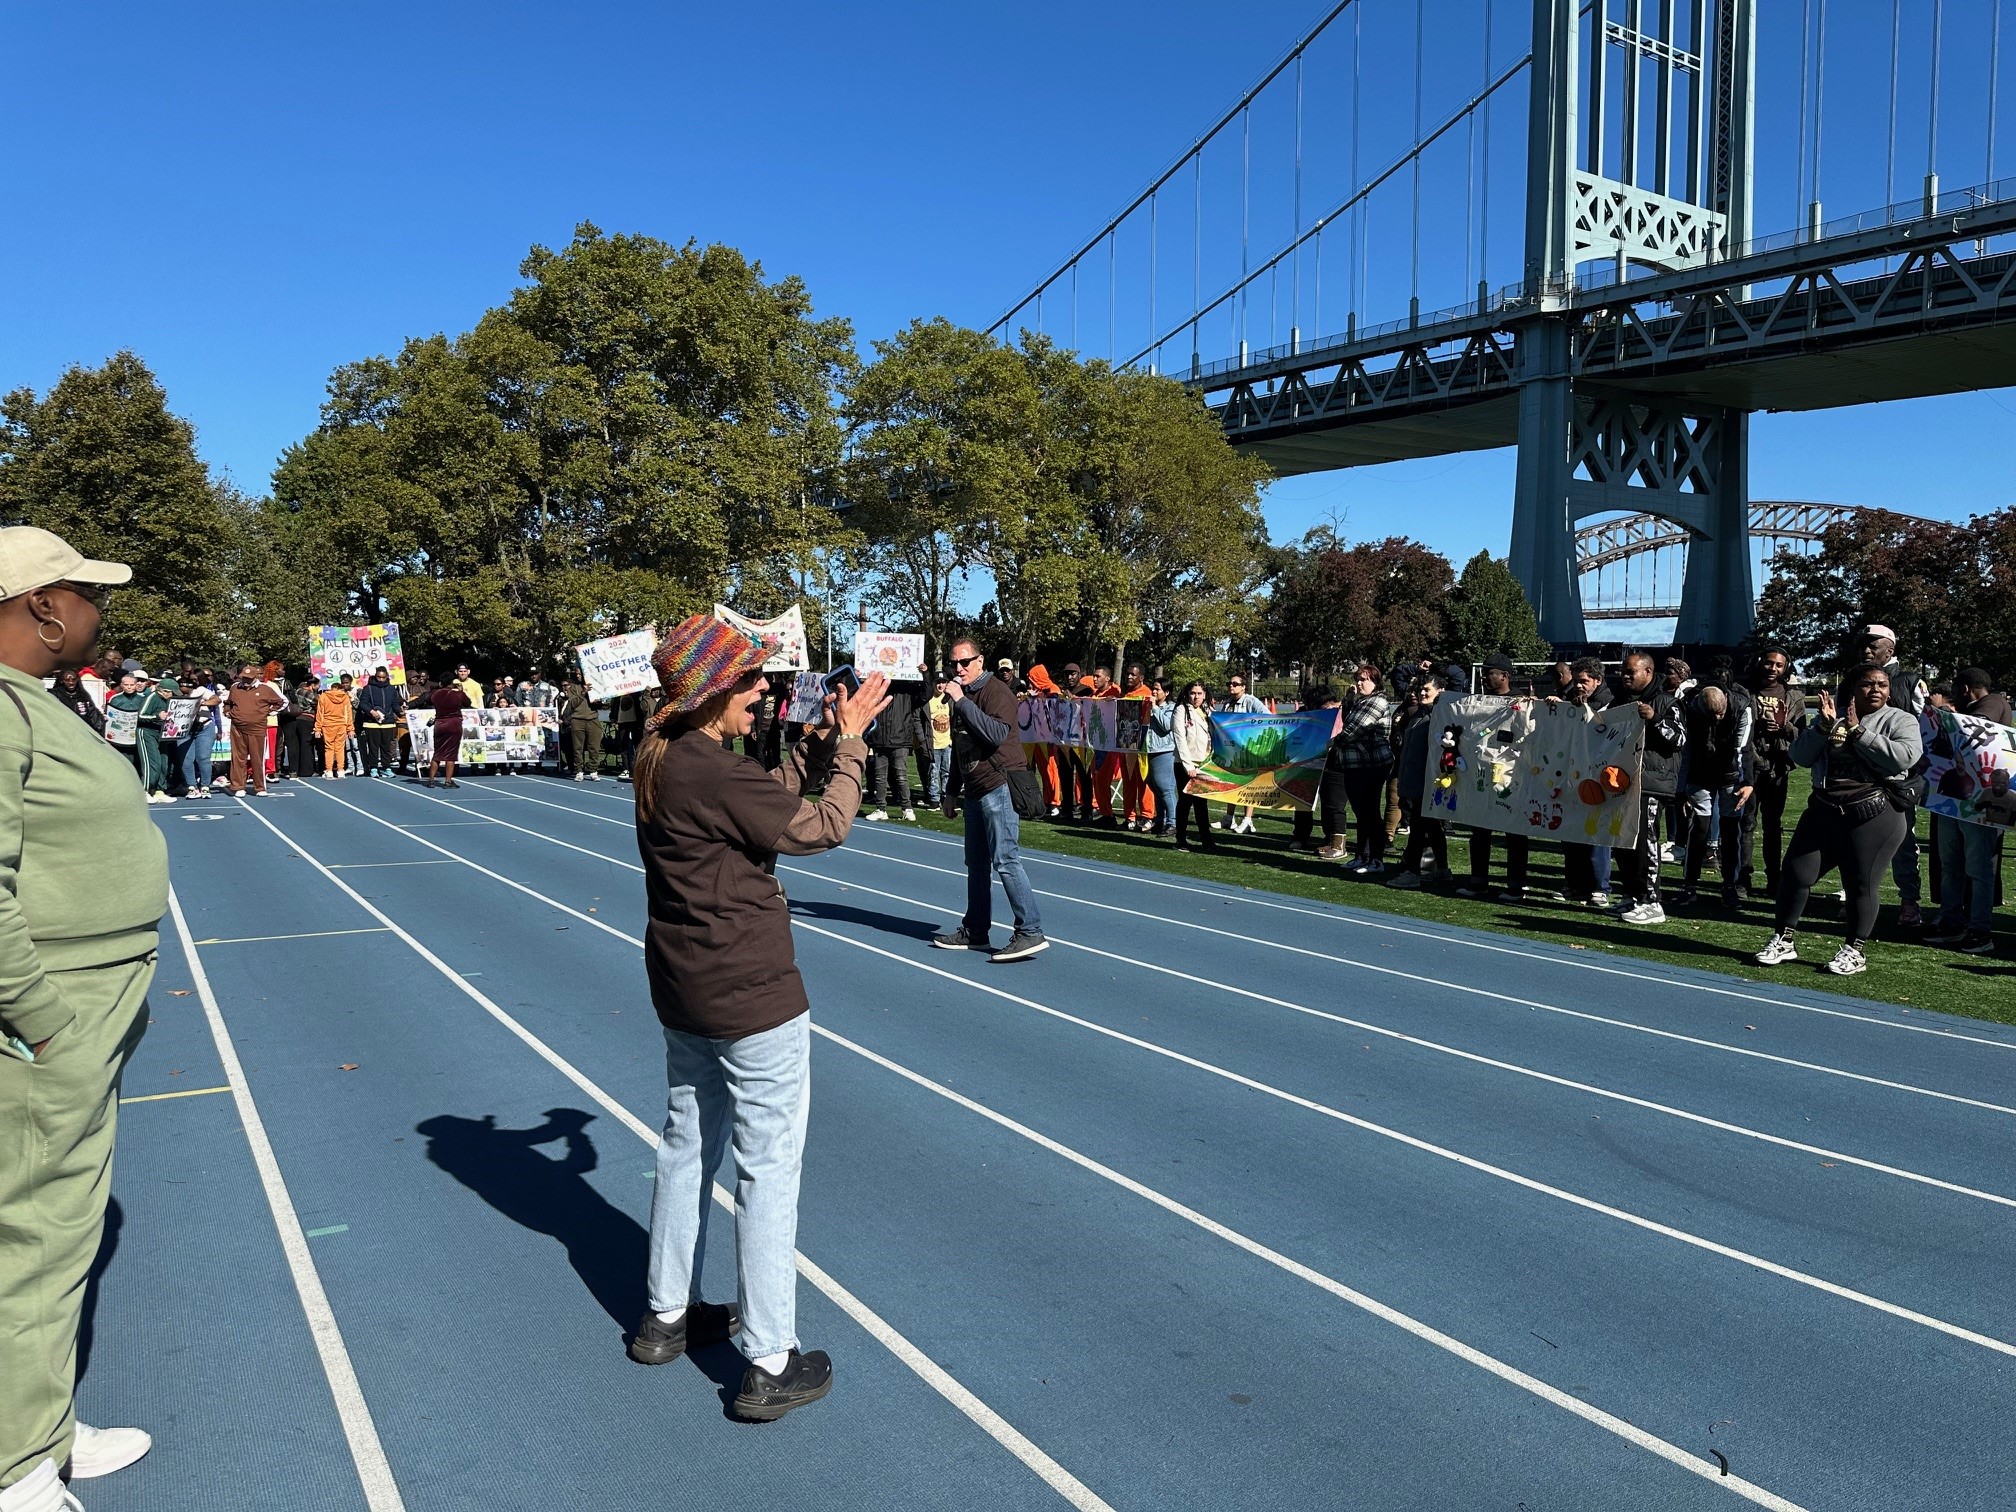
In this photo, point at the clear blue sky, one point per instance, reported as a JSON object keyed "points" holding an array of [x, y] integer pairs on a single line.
{"points": [[248, 195]]}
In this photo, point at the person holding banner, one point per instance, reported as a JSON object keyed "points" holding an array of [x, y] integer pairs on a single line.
{"points": [[1158, 744], [725, 987], [580, 734], [1190, 730], [137, 710]]}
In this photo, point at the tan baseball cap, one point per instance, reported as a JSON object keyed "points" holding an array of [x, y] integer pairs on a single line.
{"points": [[31, 558]]}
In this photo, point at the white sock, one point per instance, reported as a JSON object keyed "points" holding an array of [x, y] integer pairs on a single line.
{"points": [[772, 1363], [669, 1318]]}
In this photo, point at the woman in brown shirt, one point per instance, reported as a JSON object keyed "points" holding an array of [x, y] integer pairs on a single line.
{"points": [[710, 825]]}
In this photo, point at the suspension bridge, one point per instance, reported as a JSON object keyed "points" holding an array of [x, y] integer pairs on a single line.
{"points": [[1623, 323], [1631, 567]]}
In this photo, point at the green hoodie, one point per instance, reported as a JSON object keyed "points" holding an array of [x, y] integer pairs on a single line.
{"points": [[83, 870]]}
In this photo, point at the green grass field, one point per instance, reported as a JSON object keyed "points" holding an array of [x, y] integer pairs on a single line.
{"points": [[1707, 936]]}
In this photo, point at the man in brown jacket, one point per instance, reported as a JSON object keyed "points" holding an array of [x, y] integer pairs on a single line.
{"points": [[247, 705], [987, 746]]}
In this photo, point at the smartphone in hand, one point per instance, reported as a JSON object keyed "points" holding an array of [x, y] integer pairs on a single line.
{"points": [[850, 680]]}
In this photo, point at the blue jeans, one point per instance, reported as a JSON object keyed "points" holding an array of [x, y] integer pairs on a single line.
{"points": [[1968, 855], [993, 836], [751, 1093], [937, 773], [196, 758], [1162, 777]]}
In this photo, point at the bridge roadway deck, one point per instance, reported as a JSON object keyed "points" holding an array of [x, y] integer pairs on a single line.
{"points": [[1224, 1202]]}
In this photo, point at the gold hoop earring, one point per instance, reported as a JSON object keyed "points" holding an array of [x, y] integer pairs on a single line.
{"points": [[62, 634]]}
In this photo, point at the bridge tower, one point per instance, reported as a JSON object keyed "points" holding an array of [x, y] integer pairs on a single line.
{"points": [[1669, 190]]}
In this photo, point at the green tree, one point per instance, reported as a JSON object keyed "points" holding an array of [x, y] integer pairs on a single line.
{"points": [[102, 462], [1933, 582], [641, 430], [1489, 613], [1333, 604]]}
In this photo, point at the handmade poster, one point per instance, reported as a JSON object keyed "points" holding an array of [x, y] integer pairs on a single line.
{"points": [[1969, 765], [900, 658], [1529, 767], [122, 726], [493, 737], [808, 699], [359, 650], [178, 719], [785, 635], [1269, 761], [618, 664], [1033, 717]]}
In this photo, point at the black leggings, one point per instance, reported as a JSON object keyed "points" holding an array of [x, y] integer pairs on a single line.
{"points": [[1824, 840], [297, 738], [1185, 805], [1366, 788]]}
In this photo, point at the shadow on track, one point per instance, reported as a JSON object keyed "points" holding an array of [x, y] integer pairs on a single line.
{"points": [[606, 1246], [888, 923]]}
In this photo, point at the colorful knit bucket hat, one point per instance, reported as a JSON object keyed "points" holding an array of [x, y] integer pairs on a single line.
{"points": [[701, 657]]}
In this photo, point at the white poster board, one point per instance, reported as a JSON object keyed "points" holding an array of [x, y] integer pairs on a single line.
{"points": [[785, 634], [618, 664], [900, 658]]}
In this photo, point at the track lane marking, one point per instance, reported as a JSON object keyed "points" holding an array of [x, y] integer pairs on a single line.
{"points": [[1510, 1374], [1004, 1433], [168, 1096], [360, 1432], [1388, 971], [1468, 1162]]}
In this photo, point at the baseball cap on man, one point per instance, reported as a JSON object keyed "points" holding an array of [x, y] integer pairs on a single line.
{"points": [[32, 558], [1880, 632]]}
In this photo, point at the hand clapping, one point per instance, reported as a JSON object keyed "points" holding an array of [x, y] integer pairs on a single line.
{"points": [[852, 716]]}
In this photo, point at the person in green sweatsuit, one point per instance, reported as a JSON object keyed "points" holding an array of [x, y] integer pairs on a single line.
{"points": [[138, 698], [83, 885]]}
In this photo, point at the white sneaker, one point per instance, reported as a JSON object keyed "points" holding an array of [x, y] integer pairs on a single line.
{"points": [[1781, 949], [875, 816], [910, 814], [1645, 913], [1599, 900], [1847, 961], [100, 1451], [41, 1490], [580, 776]]}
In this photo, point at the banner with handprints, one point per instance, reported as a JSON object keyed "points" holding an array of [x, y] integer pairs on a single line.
{"points": [[1096, 724], [1969, 765], [1269, 761], [359, 650], [1529, 767]]}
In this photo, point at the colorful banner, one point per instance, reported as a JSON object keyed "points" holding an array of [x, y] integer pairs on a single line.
{"points": [[785, 634], [1969, 764], [178, 719], [618, 664], [359, 650], [808, 699], [1269, 761], [1096, 724], [1530, 767], [900, 658], [493, 737], [122, 726]]}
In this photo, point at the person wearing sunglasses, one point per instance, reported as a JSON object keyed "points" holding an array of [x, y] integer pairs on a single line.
{"points": [[987, 748], [83, 885]]}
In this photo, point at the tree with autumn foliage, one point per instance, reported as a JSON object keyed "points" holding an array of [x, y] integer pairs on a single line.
{"points": [[1333, 604]]}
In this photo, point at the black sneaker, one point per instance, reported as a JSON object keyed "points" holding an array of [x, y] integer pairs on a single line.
{"points": [[764, 1397], [1978, 942], [1023, 944], [957, 939], [659, 1343], [1944, 934]]}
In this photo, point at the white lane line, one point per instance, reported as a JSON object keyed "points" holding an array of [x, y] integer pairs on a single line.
{"points": [[1004, 1433], [312, 934], [1428, 1334], [381, 1491], [1636, 977], [1388, 971], [1225, 896], [1482, 992], [1468, 1162], [369, 865], [1439, 1048]]}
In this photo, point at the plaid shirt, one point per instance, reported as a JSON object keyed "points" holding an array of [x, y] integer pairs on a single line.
{"points": [[1364, 739]]}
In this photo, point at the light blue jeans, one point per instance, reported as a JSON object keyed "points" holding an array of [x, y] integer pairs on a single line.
{"points": [[751, 1093], [1162, 777], [993, 848], [937, 773]]}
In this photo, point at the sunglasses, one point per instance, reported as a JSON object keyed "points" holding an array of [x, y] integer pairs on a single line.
{"points": [[98, 595], [965, 661]]}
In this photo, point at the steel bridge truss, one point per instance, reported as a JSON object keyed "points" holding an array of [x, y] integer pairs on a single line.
{"points": [[1615, 542]]}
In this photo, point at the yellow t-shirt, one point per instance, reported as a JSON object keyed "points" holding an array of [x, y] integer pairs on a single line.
{"points": [[938, 711]]}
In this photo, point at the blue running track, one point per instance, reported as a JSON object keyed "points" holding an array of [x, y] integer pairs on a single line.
{"points": [[1228, 1200]]}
